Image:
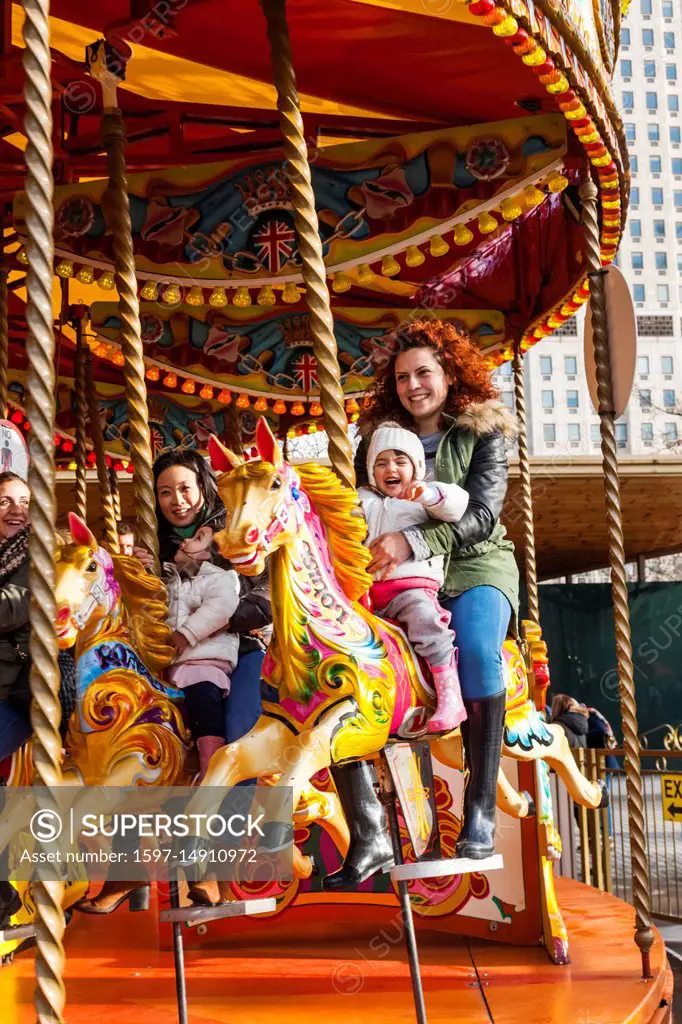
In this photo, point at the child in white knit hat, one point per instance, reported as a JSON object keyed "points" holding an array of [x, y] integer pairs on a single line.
{"points": [[400, 498]]}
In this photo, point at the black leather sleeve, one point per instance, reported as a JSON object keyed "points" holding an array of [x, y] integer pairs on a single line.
{"points": [[360, 463], [486, 483], [254, 609]]}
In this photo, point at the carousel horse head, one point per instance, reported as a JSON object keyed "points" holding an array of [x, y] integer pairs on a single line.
{"points": [[85, 583], [263, 500]]}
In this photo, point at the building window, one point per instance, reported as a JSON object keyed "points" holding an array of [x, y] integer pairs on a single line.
{"points": [[662, 293], [673, 104], [666, 364], [595, 433], [547, 399], [667, 7], [546, 364], [659, 229], [635, 228], [668, 40], [570, 364], [675, 133], [625, 32], [677, 165], [653, 132], [548, 433], [679, 263], [671, 72], [657, 196], [652, 101], [634, 197], [677, 198], [642, 364], [508, 399], [649, 68], [638, 292], [645, 398], [668, 398], [647, 37], [645, 6], [573, 431], [626, 68], [678, 230], [628, 99], [637, 260], [622, 433], [671, 432], [661, 261], [572, 399], [655, 327], [655, 164], [647, 431], [630, 131], [506, 369], [634, 164]]}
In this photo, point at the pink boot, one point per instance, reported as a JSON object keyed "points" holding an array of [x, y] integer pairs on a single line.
{"points": [[207, 746], [450, 711]]}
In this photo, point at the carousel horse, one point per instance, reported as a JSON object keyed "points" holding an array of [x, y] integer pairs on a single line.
{"points": [[338, 682], [127, 728]]}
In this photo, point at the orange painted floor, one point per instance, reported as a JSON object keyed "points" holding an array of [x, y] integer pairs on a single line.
{"points": [[116, 974]]}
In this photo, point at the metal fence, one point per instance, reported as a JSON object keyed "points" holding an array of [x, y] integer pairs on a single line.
{"points": [[596, 844]]}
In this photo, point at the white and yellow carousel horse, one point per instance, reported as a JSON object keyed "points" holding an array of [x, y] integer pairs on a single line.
{"points": [[339, 682]]}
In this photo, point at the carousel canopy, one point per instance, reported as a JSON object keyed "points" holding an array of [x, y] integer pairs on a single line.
{"points": [[446, 144]]}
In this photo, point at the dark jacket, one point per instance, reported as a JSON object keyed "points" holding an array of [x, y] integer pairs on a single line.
{"points": [[14, 634], [575, 726]]}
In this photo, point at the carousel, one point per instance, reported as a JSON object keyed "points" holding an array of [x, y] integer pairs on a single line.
{"points": [[215, 216]]}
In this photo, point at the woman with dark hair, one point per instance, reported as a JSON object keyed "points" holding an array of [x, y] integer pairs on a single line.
{"points": [[437, 384], [573, 718], [187, 499]]}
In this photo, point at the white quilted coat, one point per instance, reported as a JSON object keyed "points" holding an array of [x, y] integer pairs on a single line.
{"points": [[446, 502], [200, 608]]}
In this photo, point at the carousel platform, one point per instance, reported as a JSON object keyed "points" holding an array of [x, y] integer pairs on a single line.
{"points": [[352, 975]]}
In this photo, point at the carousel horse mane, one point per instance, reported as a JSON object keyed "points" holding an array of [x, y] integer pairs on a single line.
{"points": [[142, 600], [337, 507], [143, 597]]}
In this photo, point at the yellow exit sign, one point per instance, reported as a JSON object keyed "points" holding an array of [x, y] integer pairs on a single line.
{"points": [[671, 792]]}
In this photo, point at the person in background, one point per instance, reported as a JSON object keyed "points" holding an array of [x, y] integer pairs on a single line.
{"points": [[15, 695], [572, 717], [126, 537]]}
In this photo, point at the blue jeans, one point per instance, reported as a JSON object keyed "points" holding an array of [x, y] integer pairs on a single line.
{"points": [[242, 707], [15, 727], [480, 619]]}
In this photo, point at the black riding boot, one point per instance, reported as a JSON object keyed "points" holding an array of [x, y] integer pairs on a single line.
{"points": [[370, 847], [482, 734]]}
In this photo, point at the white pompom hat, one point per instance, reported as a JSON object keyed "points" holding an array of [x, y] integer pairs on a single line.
{"points": [[391, 436]]}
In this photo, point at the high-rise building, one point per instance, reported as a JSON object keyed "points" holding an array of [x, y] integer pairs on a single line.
{"points": [[561, 418]]}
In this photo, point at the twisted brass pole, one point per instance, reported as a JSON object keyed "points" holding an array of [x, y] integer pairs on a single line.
{"points": [[619, 588], [118, 217], [115, 492], [4, 331], [310, 246], [526, 491], [80, 489], [40, 351], [108, 514]]}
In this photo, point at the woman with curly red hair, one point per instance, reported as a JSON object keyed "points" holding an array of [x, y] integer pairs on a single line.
{"points": [[437, 384]]}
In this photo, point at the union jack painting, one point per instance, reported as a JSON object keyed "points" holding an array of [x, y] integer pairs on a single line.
{"points": [[305, 372], [275, 244]]}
